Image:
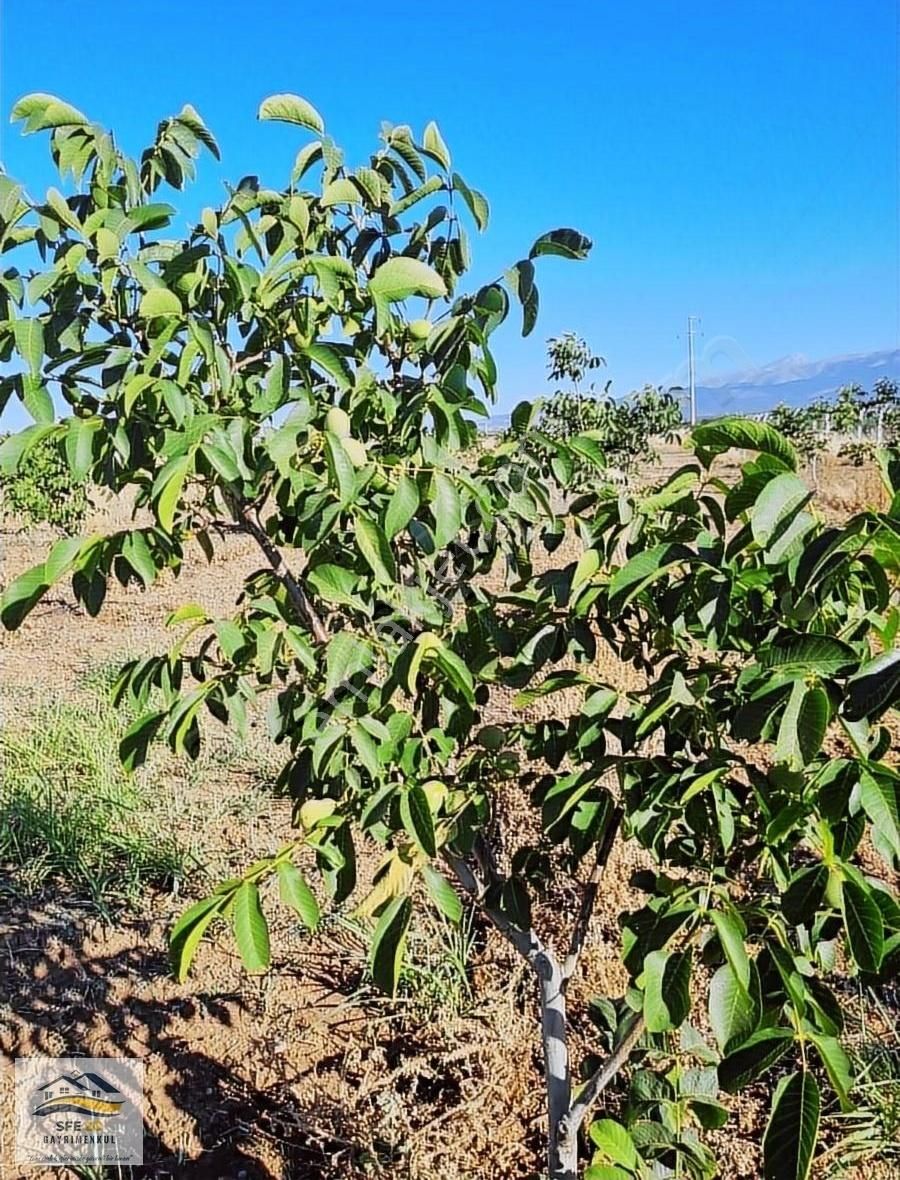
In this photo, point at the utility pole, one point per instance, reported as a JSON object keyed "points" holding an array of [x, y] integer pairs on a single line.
{"points": [[692, 319]]}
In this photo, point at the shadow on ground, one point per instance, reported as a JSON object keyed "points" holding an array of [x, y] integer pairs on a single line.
{"points": [[60, 998]]}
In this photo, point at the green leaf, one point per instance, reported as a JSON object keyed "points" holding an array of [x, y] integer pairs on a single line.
{"points": [[400, 277], [733, 1013], [476, 201], [731, 936], [341, 192], [442, 894], [29, 337], [790, 1138], [291, 108], [159, 301], [588, 565], [250, 929], [812, 722], [401, 507], [803, 654], [567, 243], [297, 894], [417, 819], [335, 584], [864, 924], [432, 185], [447, 510], [805, 894], [745, 434], [837, 1066], [875, 686], [389, 945], [374, 547], [779, 501], [169, 492], [614, 1142], [80, 446], [347, 655], [188, 932], [878, 796], [667, 978], [17, 447], [22, 595], [434, 146], [40, 112], [37, 400], [137, 738], [643, 569], [62, 557], [803, 725], [341, 470], [147, 217], [746, 1063]]}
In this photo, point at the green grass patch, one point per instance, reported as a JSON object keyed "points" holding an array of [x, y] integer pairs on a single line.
{"points": [[70, 814]]}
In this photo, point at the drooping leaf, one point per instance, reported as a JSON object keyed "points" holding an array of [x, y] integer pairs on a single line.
{"points": [[29, 338], [417, 819], [779, 501], [864, 924], [442, 894], [476, 201], [40, 112], [790, 1138], [733, 1012], [837, 1066], [389, 945], [373, 545], [878, 796], [348, 655], [297, 894], [753, 1057], [447, 509], [805, 893], [401, 507], [667, 978], [188, 931], [251, 931], [875, 686], [22, 595], [731, 936]]}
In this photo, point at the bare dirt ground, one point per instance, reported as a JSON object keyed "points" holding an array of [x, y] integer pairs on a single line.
{"points": [[301, 1073]]}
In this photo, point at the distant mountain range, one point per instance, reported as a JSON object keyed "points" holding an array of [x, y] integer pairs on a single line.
{"points": [[794, 380]]}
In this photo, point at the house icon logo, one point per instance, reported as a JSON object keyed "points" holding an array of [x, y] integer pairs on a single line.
{"points": [[88, 1094]]}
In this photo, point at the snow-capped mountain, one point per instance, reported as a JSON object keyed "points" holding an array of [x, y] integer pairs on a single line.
{"points": [[794, 380]]}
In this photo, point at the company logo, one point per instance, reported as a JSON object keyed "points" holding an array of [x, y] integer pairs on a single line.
{"points": [[78, 1110], [87, 1093]]}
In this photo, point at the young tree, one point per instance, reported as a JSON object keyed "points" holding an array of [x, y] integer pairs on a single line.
{"points": [[301, 366]]}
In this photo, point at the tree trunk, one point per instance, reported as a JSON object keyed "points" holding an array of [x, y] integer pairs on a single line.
{"points": [[562, 1152]]}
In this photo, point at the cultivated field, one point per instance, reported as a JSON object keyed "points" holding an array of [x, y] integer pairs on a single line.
{"points": [[305, 1071]]}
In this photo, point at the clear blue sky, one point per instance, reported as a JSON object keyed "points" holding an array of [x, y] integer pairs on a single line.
{"points": [[737, 161]]}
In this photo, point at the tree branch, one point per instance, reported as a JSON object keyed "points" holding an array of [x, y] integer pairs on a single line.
{"points": [[526, 942], [597, 1083], [589, 897], [296, 593]]}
